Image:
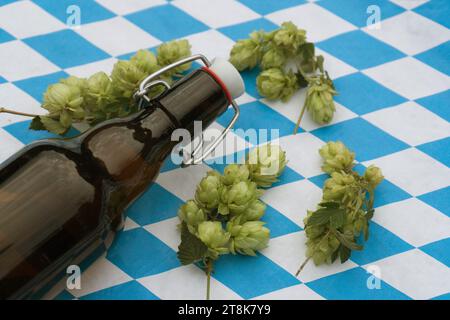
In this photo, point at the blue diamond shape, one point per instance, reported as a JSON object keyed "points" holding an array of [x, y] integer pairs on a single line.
{"points": [[366, 140], [355, 11], [36, 86], [439, 250], [255, 116], [131, 290], [438, 149], [249, 77], [139, 254], [266, 7], [2, 80], [445, 296], [437, 58], [66, 48], [438, 104], [166, 22], [242, 30], [436, 10], [252, 276], [352, 285], [21, 132], [381, 244], [278, 224], [5, 36], [439, 199], [360, 50], [156, 204], [90, 11], [363, 95], [64, 295]]}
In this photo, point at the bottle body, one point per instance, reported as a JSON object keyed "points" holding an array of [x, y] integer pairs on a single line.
{"points": [[60, 198]]}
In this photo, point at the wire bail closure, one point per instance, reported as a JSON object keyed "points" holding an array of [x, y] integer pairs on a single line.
{"points": [[148, 83]]}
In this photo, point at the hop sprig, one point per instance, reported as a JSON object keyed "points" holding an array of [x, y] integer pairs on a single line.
{"points": [[275, 52], [333, 229], [101, 97], [224, 216]]}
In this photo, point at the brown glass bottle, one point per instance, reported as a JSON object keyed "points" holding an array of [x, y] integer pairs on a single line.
{"points": [[60, 198]]}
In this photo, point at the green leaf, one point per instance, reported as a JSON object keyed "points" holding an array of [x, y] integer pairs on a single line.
{"points": [[330, 204], [334, 255], [369, 214], [337, 219], [191, 248], [36, 124], [302, 82], [319, 217], [307, 50], [52, 125], [347, 242], [344, 253], [366, 231]]}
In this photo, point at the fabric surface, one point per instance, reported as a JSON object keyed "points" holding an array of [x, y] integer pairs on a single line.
{"points": [[393, 110]]}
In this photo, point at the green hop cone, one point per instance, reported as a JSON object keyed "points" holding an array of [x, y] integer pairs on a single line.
{"points": [[126, 78], [145, 61], [236, 198], [338, 187], [214, 237], [289, 37], [99, 98], [336, 157], [234, 173], [266, 164], [254, 211], [273, 58], [319, 99], [208, 191], [173, 51], [248, 237], [373, 176], [246, 53], [192, 215], [65, 104], [73, 81], [274, 83]]}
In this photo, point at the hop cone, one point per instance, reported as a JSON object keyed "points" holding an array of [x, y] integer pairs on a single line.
{"points": [[173, 51], [236, 199], [274, 84], [373, 176], [321, 249], [212, 234], [336, 157], [248, 237], [99, 98], [208, 191], [246, 54], [319, 99], [266, 163], [192, 215], [273, 58], [145, 61], [126, 78], [254, 211], [338, 187], [289, 37], [234, 173]]}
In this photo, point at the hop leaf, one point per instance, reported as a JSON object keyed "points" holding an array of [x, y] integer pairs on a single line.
{"points": [[208, 191], [237, 198], [173, 51], [373, 176], [234, 173], [191, 248], [319, 99], [214, 237], [274, 84], [266, 164], [336, 157], [289, 37], [248, 237], [246, 54]]}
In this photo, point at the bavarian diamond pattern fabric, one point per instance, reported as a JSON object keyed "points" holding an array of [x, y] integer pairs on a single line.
{"points": [[393, 110]]}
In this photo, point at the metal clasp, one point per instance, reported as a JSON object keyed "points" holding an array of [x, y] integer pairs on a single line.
{"points": [[142, 96]]}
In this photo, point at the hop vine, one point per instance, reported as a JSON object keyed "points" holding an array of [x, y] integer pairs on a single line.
{"points": [[224, 216], [275, 52]]}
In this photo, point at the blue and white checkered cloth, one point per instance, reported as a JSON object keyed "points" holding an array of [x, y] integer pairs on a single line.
{"points": [[393, 110]]}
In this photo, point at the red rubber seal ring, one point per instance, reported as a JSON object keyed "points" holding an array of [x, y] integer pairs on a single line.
{"points": [[220, 82]]}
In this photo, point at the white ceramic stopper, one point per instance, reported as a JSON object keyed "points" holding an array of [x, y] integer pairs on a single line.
{"points": [[229, 76]]}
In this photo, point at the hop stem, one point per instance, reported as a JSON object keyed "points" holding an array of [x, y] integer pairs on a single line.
{"points": [[302, 266], [4, 110], [297, 125], [209, 266]]}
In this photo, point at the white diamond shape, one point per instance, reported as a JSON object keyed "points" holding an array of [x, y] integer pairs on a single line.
{"points": [[297, 292], [22, 62], [86, 70], [11, 97], [409, 4], [414, 171], [335, 67], [10, 145], [25, 19], [319, 23], [220, 14], [415, 273], [410, 78], [414, 221], [186, 283], [121, 7], [166, 231], [117, 36], [211, 44], [410, 32], [417, 125], [293, 199], [289, 252]]}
